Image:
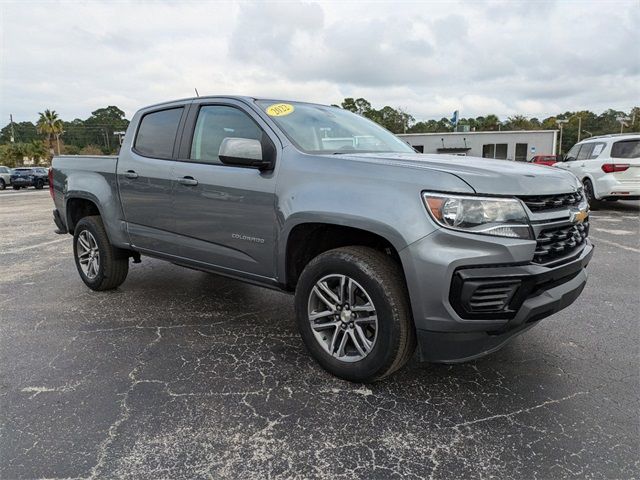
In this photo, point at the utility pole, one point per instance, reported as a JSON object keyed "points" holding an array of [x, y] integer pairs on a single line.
{"points": [[13, 137], [560, 123]]}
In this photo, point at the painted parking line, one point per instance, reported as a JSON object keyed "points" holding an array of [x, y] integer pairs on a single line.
{"points": [[614, 244], [23, 194], [613, 231], [31, 247]]}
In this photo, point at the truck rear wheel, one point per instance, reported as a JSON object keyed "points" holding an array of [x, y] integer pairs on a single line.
{"points": [[100, 265], [39, 184], [2, 184], [353, 313]]}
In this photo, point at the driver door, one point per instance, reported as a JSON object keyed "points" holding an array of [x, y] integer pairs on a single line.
{"points": [[225, 215]]}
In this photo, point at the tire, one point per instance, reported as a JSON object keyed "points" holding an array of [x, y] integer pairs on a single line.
{"points": [[113, 264], [15, 187], [378, 282], [594, 203], [39, 184], [2, 184]]}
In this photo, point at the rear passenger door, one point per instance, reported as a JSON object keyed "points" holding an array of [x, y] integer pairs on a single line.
{"points": [[146, 178], [225, 214]]}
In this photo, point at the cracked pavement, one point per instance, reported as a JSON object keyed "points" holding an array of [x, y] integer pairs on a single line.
{"points": [[181, 374]]}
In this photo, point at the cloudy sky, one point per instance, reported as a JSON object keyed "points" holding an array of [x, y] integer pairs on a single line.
{"points": [[535, 58]]}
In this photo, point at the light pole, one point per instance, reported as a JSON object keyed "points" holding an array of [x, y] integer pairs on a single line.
{"points": [[579, 126], [560, 122], [120, 136], [622, 121]]}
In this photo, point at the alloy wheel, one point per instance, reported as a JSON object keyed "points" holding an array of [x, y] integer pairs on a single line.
{"points": [[342, 317], [88, 254]]}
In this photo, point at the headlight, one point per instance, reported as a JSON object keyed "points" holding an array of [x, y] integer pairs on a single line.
{"points": [[502, 217]]}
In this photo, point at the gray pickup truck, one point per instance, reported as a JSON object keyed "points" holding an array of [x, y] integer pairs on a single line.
{"points": [[384, 248]]}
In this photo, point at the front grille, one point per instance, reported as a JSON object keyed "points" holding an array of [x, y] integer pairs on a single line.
{"points": [[540, 203], [555, 243]]}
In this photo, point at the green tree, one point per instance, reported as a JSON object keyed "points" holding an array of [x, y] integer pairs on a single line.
{"points": [[489, 123], [50, 125], [518, 122], [37, 150], [12, 154], [22, 132], [100, 127]]}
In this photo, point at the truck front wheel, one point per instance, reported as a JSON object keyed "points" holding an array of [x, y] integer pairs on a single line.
{"points": [[100, 265], [353, 313]]}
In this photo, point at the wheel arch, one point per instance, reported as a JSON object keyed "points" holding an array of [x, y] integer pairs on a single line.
{"points": [[305, 240], [79, 206], [587, 176]]}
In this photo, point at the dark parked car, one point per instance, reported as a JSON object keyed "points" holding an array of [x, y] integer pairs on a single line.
{"points": [[29, 177]]}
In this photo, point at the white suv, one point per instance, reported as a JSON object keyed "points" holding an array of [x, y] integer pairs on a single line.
{"points": [[608, 166], [5, 177]]}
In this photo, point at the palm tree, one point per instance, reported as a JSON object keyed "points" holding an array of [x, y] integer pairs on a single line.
{"points": [[37, 150], [49, 124]]}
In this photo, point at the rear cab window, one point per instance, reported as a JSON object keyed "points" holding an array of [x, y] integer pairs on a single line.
{"points": [[157, 133], [626, 149]]}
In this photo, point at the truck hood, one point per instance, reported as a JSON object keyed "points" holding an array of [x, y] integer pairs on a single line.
{"points": [[484, 175]]}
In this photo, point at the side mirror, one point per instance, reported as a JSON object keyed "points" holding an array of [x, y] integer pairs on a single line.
{"points": [[243, 152]]}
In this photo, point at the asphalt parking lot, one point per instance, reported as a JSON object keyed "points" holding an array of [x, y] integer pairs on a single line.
{"points": [[183, 374]]}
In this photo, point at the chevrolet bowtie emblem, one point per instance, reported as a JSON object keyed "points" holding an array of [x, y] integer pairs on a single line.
{"points": [[578, 216]]}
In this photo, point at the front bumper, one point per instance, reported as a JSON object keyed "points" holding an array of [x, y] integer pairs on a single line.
{"points": [[440, 265], [22, 182]]}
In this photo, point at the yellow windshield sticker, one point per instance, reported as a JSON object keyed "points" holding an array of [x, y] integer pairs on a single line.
{"points": [[279, 109]]}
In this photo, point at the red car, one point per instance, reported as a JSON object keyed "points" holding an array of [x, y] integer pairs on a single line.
{"points": [[545, 159]]}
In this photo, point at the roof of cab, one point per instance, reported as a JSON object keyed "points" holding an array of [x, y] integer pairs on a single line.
{"points": [[244, 98]]}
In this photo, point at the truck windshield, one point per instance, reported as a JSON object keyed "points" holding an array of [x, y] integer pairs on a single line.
{"points": [[331, 130]]}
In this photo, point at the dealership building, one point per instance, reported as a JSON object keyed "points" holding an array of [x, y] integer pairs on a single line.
{"points": [[519, 145]]}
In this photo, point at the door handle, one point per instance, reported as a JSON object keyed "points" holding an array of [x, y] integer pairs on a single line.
{"points": [[130, 174], [188, 181]]}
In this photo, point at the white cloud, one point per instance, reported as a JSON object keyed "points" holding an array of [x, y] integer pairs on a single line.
{"points": [[534, 58]]}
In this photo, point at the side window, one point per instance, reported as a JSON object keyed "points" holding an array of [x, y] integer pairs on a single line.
{"points": [[157, 133], [585, 151], [214, 124], [573, 153], [597, 150]]}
